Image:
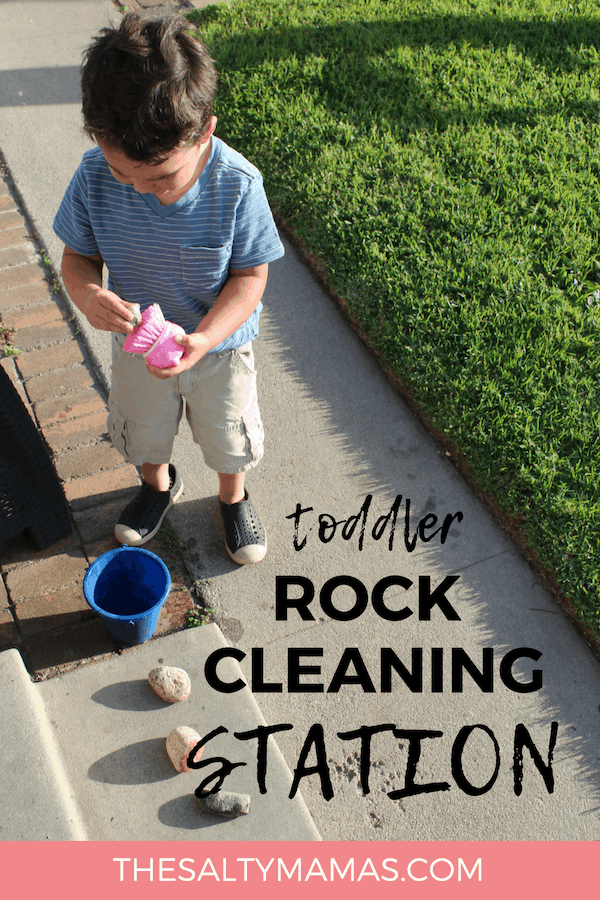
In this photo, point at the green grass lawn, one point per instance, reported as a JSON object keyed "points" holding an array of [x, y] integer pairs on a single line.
{"points": [[442, 160]]}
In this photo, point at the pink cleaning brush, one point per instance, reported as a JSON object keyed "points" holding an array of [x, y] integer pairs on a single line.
{"points": [[154, 337]]}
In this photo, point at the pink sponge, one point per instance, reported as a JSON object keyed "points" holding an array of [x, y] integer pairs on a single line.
{"points": [[154, 337]]}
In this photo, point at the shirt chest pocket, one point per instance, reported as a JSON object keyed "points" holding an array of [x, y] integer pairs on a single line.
{"points": [[205, 269]]}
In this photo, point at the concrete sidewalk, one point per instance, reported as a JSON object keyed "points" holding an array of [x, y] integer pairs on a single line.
{"points": [[98, 768], [337, 433]]}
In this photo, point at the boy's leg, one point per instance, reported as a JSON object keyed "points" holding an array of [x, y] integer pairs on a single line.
{"points": [[223, 413], [144, 414], [156, 475], [231, 487]]}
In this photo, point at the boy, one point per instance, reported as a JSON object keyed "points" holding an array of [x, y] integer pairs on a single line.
{"points": [[179, 219]]}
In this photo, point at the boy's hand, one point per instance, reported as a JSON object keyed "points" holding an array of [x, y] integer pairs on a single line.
{"points": [[195, 346], [237, 301], [107, 312]]}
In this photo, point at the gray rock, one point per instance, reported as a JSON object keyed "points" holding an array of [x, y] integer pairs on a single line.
{"points": [[137, 314], [171, 684], [225, 803]]}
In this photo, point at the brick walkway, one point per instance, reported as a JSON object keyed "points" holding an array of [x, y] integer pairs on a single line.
{"points": [[42, 610]]}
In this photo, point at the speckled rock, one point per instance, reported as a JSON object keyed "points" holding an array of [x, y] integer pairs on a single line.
{"points": [[180, 744], [137, 314], [171, 684], [225, 803]]}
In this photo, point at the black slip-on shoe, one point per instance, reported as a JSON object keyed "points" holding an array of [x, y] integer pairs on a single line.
{"points": [[245, 536], [141, 519]]}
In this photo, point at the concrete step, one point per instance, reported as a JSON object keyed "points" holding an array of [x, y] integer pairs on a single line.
{"points": [[37, 801], [83, 755]]}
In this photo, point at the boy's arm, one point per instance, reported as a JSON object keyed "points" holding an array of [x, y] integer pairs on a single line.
{"points": [[104, 310], [241, 294]]}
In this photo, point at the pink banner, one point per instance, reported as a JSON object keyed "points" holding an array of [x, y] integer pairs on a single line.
{"points": [[312, 871]]}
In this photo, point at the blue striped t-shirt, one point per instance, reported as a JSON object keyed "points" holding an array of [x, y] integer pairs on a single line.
{"points": [[177, 255]]}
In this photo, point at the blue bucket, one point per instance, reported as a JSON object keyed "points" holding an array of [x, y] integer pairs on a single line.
{"points": [[127, 588]]}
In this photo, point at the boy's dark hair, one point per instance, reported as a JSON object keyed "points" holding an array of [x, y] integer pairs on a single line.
{"points": [[147, 87]]}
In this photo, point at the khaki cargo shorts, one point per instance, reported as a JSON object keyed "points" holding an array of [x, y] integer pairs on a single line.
{"points": [[220, 402]]}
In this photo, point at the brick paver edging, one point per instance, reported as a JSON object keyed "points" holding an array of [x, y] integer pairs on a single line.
{"points": [[42, 610]]}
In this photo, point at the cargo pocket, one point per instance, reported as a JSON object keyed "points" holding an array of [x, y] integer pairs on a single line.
{"points": [[116, 346], [245, 355], [117, 428], [255, 434]]}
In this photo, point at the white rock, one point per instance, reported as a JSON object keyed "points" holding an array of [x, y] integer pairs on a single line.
{"points": [[137, 314], [180, 744], [171, 684]]}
